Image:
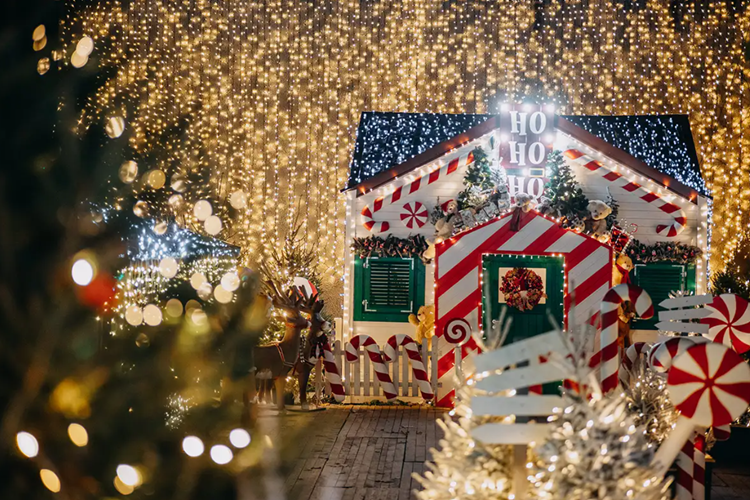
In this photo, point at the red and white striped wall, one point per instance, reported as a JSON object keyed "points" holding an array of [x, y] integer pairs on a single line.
{"points": [[458, 270]]}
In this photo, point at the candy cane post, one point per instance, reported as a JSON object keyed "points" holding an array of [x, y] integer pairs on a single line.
{"points": [[678, 215], [373, 351], [632, 353], [699, 467], [333, 374], [663, 354], [417, 366], [710, 386], [610, 359], [408, 189], [729, 322], [685, 469]]}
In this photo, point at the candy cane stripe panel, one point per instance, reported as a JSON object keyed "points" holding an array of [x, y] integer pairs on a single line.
{"points": [[408, 189], [459, 260], [678, 215]]}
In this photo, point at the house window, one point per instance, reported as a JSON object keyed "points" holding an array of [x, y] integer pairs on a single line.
{"points": [[659, 280], [387, 288]]}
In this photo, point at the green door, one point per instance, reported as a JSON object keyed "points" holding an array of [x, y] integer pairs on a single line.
{"points": [[525, 323]]}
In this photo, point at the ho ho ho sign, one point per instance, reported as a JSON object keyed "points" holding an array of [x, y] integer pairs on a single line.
{"points": [[520, 145]]}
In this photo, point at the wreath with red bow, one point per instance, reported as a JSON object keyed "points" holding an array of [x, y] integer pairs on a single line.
{"points": [[522, 288]]}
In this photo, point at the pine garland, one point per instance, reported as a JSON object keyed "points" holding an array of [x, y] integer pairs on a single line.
{"points": [[663, 251], [391, 246]]}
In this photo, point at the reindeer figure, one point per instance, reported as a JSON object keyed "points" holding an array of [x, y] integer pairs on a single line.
{"points": [[274, 361], [308, 359]]}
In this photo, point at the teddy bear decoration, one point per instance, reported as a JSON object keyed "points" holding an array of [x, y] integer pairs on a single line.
{"points": [[424, 323], [595, 222]]}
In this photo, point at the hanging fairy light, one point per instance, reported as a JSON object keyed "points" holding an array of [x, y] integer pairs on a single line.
{"points": [[289, 151]]}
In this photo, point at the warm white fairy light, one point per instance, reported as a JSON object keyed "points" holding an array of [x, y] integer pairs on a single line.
{"points": [[277, 120]]}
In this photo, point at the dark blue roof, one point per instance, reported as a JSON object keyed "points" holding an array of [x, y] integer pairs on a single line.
{"points": [[663, 142]]}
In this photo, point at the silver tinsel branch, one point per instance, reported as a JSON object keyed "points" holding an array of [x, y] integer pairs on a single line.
{"points": [[595, 451], [648, 402], [463, 468]]}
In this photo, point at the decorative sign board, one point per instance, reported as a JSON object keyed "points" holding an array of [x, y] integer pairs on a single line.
{"points": [[521, 145]]}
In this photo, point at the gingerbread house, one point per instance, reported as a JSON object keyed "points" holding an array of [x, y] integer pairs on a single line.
{"points": [[410, 246]]}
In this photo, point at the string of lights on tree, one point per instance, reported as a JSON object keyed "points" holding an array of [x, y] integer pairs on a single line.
{"points": [[266, 96]]}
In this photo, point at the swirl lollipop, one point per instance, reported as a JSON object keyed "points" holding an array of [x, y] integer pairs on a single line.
{"points": [[729, 322], [710, 385], [457, 331]]}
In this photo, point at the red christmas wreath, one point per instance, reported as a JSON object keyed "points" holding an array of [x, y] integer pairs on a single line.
{"points": [[522, 288]]}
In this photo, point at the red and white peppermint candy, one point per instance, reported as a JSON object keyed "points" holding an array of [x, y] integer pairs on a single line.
{"points": [[333, 374], [417, 366], [709, 384], [729, 322], [457, 331], [373, 351], [662, 354], [414, 214]]}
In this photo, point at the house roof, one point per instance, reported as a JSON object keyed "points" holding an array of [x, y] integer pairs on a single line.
{"points": [[658, 146]]}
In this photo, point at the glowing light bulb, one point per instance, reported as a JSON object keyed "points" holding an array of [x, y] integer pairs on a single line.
{"points": [[221, 454], [193, 446], [82, 272], [239, 438], [27, 444]]}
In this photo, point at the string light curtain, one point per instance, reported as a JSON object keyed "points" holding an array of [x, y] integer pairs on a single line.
{"points": [[266, 95]]}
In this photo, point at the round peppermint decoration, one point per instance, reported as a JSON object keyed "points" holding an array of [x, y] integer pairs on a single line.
{"points": [[457, 331], [709, 384], [414, 215], [729, 322]]}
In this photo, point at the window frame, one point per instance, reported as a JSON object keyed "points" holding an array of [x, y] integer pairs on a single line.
{"points": [[362, 269]]}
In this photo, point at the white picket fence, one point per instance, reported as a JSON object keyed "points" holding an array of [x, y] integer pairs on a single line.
{"points": [[361, 382]]}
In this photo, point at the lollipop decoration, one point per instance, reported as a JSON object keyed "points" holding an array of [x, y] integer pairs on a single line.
{"points": [[662, 355], [710, 385], [457, 331], [414, 214], [729, 322]]}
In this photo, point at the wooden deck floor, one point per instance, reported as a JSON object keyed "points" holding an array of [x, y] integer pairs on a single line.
{"points": [[370, 452]]}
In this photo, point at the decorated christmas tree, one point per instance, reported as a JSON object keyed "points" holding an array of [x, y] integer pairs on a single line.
{"points": [[566, 197], [478, 181]]}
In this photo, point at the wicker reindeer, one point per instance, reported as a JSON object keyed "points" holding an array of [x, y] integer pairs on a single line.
{"points": [[313, 347], [274, 361]]}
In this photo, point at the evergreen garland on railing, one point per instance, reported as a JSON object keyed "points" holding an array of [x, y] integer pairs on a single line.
{"points": [[391, 246]]}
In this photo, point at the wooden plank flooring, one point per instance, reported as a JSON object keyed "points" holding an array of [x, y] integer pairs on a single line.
{"points": [[356, 452], [370, 453]]}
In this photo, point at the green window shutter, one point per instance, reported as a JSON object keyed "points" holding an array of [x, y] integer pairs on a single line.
{"points": [[387, 288], [659, 280]]}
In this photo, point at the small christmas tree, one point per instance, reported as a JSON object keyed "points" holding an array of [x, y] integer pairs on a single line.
{"points": [[564, 192], [612, 217], [463, 468], [478, 179]]}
